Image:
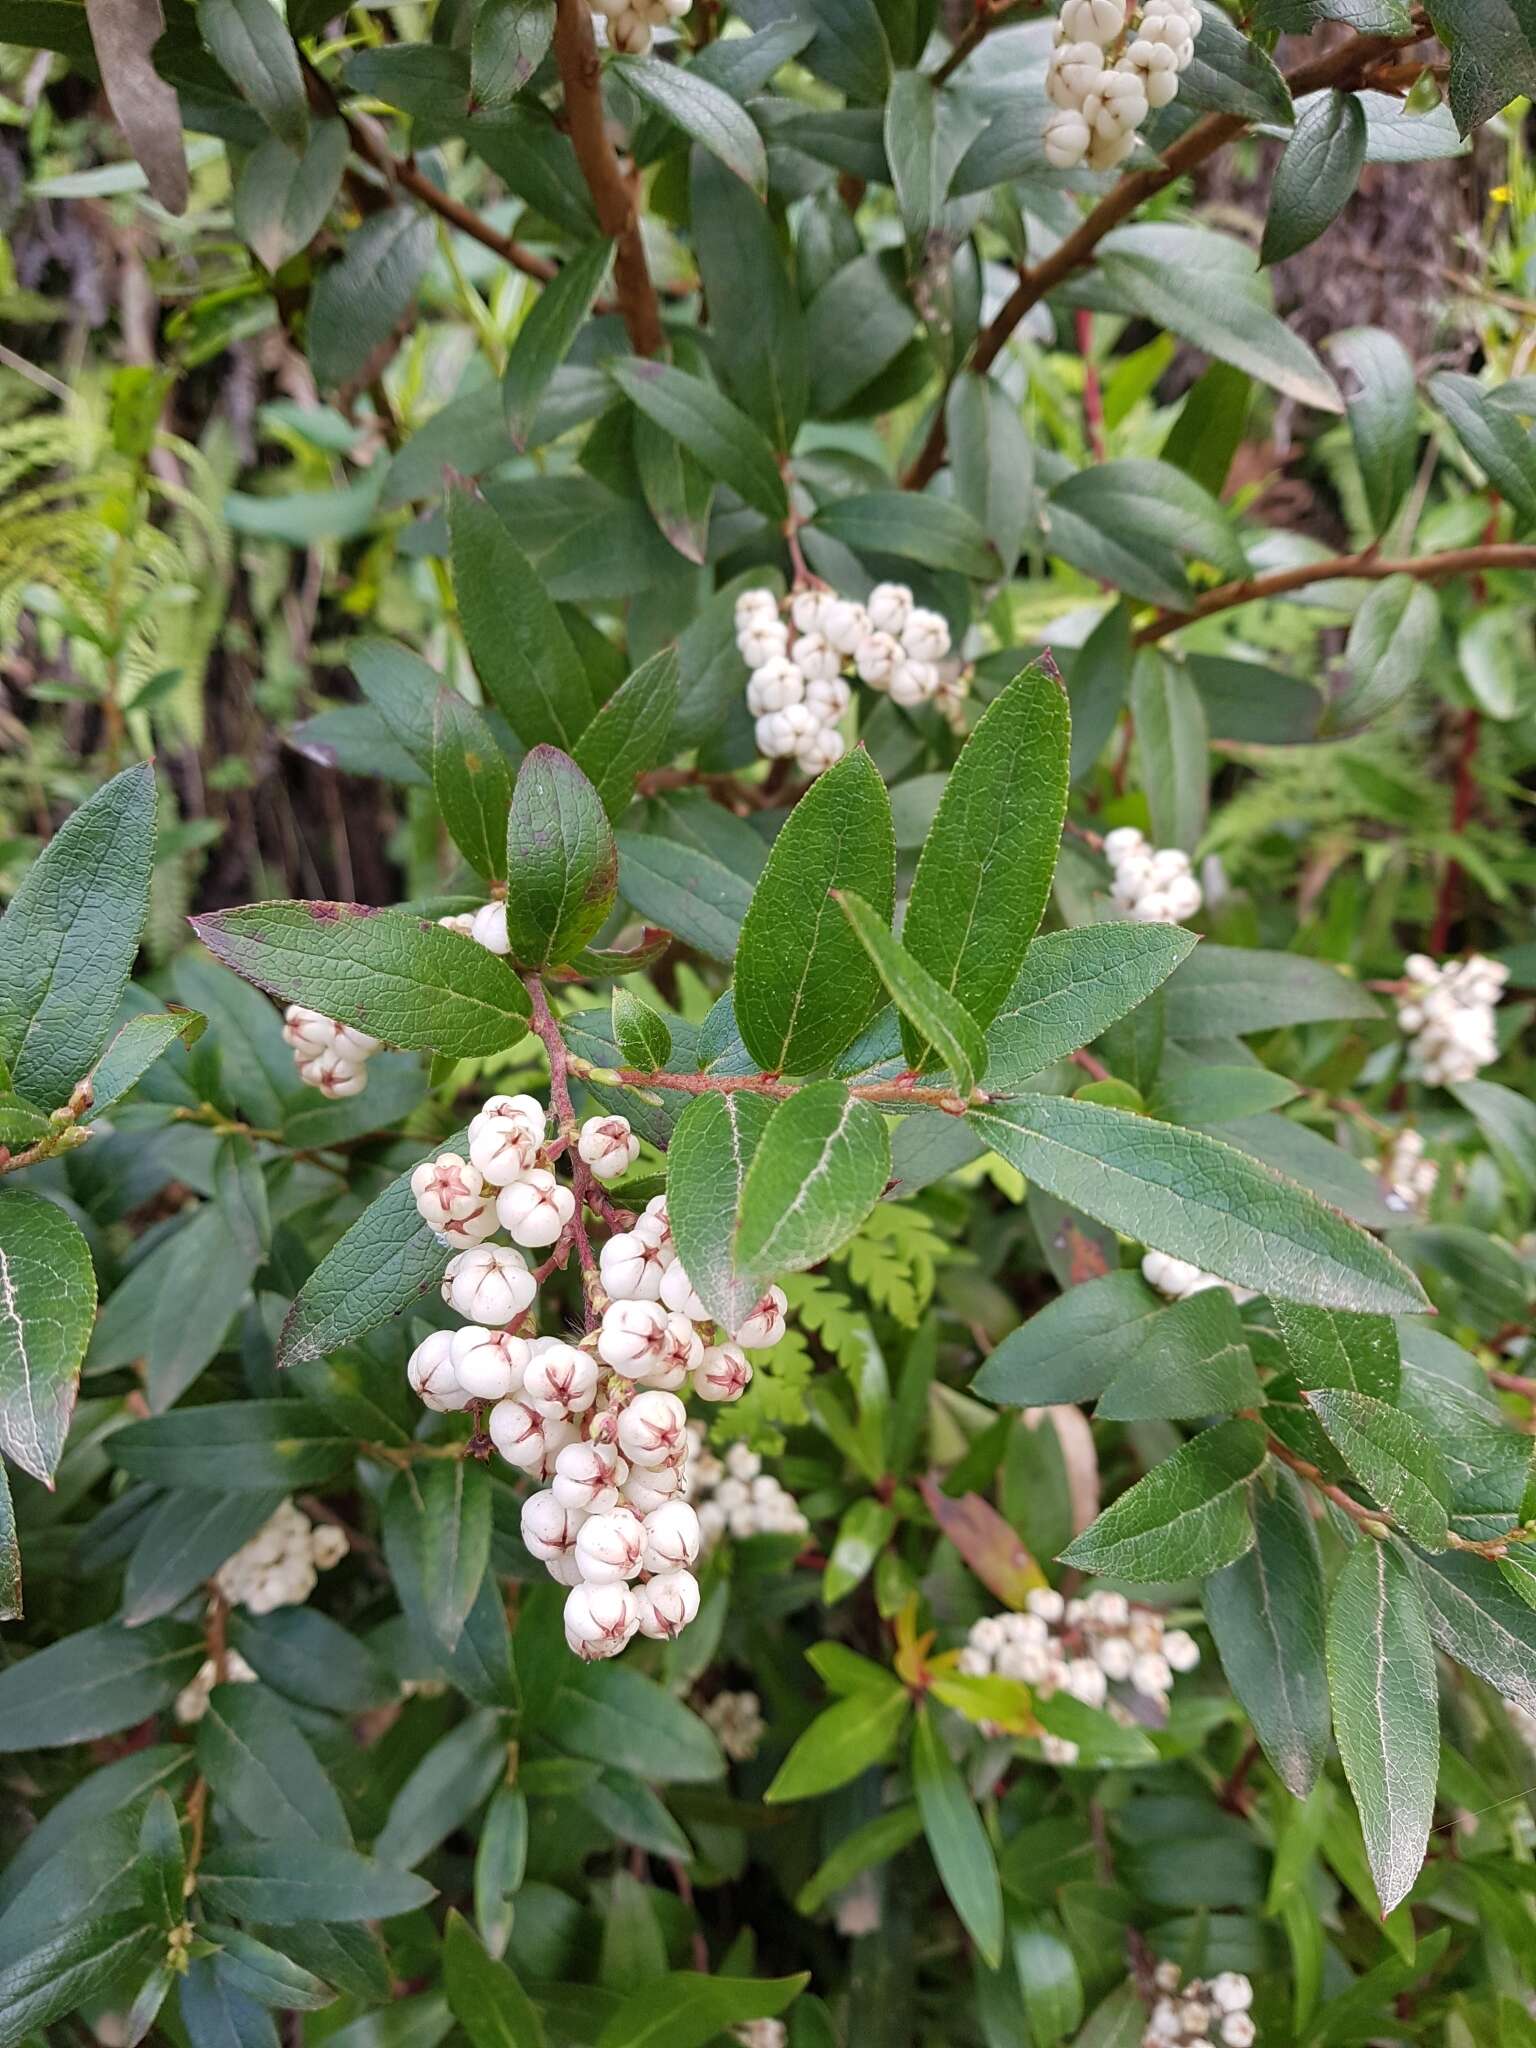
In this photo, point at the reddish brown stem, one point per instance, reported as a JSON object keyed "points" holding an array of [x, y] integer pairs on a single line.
{"points": [[547, 1031], [901, 1092], [1093, 391]]}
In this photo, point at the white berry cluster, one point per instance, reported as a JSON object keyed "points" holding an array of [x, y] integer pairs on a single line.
{"points": [[803, 666], [191, 1702], [1448, 1012], [736, 1719], [1201, 2010], [1153, 884], [736, 1497], [487, 926], [281, 1564], [1408, 1179], [599, 1419], [1177, 1279], [1082, 1648], [1110, 66], [631, 22], [329, 1056]]}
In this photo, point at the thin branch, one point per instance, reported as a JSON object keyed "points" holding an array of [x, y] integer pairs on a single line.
{"points": [[547, 1031], [613, 193], [903, 1092], [1371, 1521], [1366, 564], [1347, 66], [989, 13]]}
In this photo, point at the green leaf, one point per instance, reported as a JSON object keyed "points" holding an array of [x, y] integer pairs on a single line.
{"points": [[252, 43], [804, 986], [1392, 1458], [1266, 1613], [1210, 427], [74, 1966], [840, 1744], [712, 1148], [1381, 1678], [164, 1865], [47, 1308], [1332, 1348], [1097, 676], [486, 1999], [1506, 1120], [312, 1659], [69, 936], [922, 529], [1187, 1517], [1230, 73], [961, 1850], [1493, 55], [1382, 409], [1048, 1977], [403, 689], [440, 1514], [936, 1024], [686, 2010], [627, 1722], [717, 122], [244, 1446], [379, 1265], [877, 1842], [355, 304], [678, 493], [1195, 1361], [700, 899], [1477, 1619], [1316, 177], [449, 1786], [631, 733], [1173, 747], [401, 978], [473, 788], [1199, 1199], [927, 132], [1219, 1095], [186, 1538], [759, 330], [1391, 638], [134, 1050], [544, 340], [730, 446], [94, 1683], [250, 1966], [1072, 1348], [282, 198], [523, 655], [1495, 440], [10, 1555], [252, 1753], [984, 874], [562, 863], [820, 1167], [643, 1036], [992, 460], [268, 1883], [1229, 991], [1072, 987], [509, 41]]}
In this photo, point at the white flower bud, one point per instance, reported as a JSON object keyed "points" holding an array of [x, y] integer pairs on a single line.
{"points": [[805, 610], [828, 701], [672, 1538], [334, 1075], [779, 733], [774, 688], [524, 1109], [844, 624], [765, 1326], [488, 928], [653, 1429], [667, 1604], [488, 1364], [925, 636], [355, 1045], [1181, 1650], [1122, 843], [1116, 105], [762, 641], [681, 1346], [913, 682], [534, 1210], [822, 750], [631, 1336], [1157, 65], [430, 1372], [889, 605], [1074, 70], [1045, 1604], [461, 921], [816, 658], [587, 1477], [560, 1380], [308, 1032], [501, 1150], [757, 603], [608, 1146], [1106, 151], [630, 1268], [609, 1547], [1238, 2030], [517, 1431], [490, 1285], [1065, 139], [654, 1226], [599, 1620], [1231, 1992], [722, 1374], [678, 1295], [447, 1190], [1114, 1657], [876, 657], [549, 1529], [630, 33], [1092, 21]]}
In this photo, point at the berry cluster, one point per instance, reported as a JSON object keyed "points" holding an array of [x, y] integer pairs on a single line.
{"points": [[1110, 66], [1201, 2010], [631, 22], [1448, 1013], [280, 1566], [600, 1418], [329, 1056], [737, 1721], [1082, 1648], [1177, 1278], [803, 666], [1406, 1176], [1153, 884], [736, 1497], [487, 926]]}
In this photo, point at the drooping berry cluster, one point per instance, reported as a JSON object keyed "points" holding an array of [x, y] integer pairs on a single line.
{"points": [[735, 1497], [329, 1056], [1408, 1179], [1447, 1010], [803, 666], [631, 23], [598, 1418], [1178, 1279], [1083, 1648], [1153, 884], [1200, 2011], [280, 1565], [1109, 68]]}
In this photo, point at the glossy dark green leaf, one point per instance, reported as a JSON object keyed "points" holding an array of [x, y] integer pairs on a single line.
{"points": [[683, 890], [263, 1973], [1393, 1459], [1381, 404], [712, 1149], [820, 1167], [631, 733], [1187, 1517], [686, 2009], [473, 788], [1493, 57], [731, 447], [711, 117], [440, 1513], [1391, 638], [185, 1540], [250, 1749], [937, 1028], [251, 41], [1316, 177], [1194, 1361], [961, 1849], [1495, 440], [1173, 747], [1072, 1348], [282, 197], [1142, 525], [94, 1682], [841, 1743], [758, 326], [992, 460], [934, 531], [267, 1883], [48, 1289], [74, 1966], [487, 2000], [1217, 1094], [241, 1446], [544, 340], [163, 1861], [627, 1722], [445, 1791], [927, 132], [1072, 986], [562, 863], [509, 41], [1229, 991], [643, 1037], [1332, 1348], [355, 304], [134, 1049]]}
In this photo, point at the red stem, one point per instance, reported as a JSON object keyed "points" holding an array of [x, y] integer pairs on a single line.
{"points": [[1093, 391]]}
